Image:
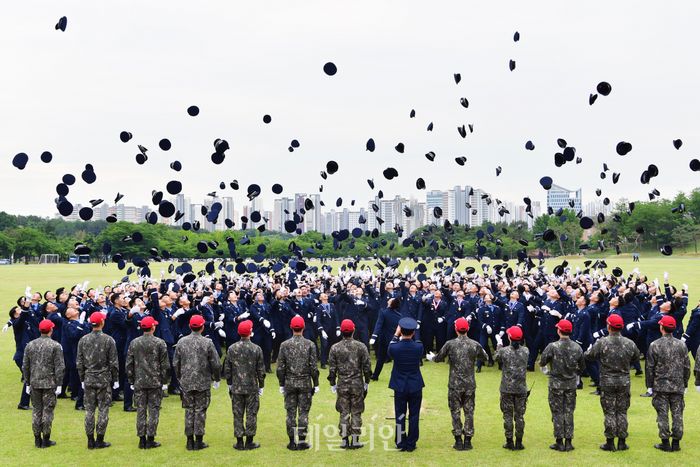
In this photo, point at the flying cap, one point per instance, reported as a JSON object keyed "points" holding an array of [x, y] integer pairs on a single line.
{"points": [[461, 325], [245, 328], [46, 325], [148, 322], [347, 326]]}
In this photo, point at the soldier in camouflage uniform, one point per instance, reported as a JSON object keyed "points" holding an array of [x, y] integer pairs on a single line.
{"points": [[667, 373], [147, 368], [463, 353], [196, 365], [42, 371], [349, 374], [244, 371], [566, 363], [513, 360], [298, 377], [615, 353], [98, 368]]}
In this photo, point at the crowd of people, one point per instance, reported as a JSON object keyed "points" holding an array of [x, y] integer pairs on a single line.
{"points": [[138, 340]]}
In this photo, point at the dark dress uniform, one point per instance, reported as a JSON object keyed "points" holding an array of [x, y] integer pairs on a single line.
{"points": [[73, 331], [513, 360], [42, 369], [327, 321]]}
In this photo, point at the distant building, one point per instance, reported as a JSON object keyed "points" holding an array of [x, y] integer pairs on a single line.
{"points": [[559, 197]]}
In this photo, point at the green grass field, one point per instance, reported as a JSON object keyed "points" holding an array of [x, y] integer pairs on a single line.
{"points": [[434, 447]]}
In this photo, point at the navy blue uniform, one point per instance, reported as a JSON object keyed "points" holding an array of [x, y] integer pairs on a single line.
{"points": [[384, 330], [262, 335], [407, 383]]}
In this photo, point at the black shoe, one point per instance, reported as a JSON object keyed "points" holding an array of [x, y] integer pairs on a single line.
{"points": [[557, 446], [151, 443], [240, 445], [165, 394], [664, 445], [268, 370], [509, 444], [467, 443], [579, 385], [142, 442], [63, 395], [199, 443], [596, 392], [567, 445], [459, 444], [129, 409], [490, 363], [355, 442], [374, 378], [323, 366], [250, 444], [38, 441], [609, 445], [638, 373], [175, 391], [478, 369], [100, 442], [530, 368], [409, 449], [23, 407], [345, 443], [621, 444], [303, 445], [676, 445], [646, 394], [190, 443], [292, 446], [79, 407], [518, 444]]}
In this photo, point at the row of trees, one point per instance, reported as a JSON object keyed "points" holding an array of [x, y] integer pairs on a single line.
{"points": [[31, 236]]}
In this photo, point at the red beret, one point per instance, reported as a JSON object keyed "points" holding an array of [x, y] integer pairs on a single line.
{"points": [[297, 323], [46, 325], [564, 325], [515, 333], [347, 326], [148, 322], [668, 322], [97, 317], [196, 321], [615, 321], [245, 328], [461, 325]]}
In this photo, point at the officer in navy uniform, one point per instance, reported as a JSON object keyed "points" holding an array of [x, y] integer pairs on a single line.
{"points": [[407, 383], [327, 323], [384, 331]]}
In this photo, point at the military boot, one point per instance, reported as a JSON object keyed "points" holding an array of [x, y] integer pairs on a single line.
{"points": [[292, 446], [467, 443], [622, 445], [509, 444], [250, 444], [199, 443], [459, 444], [567, 445], [676, 445], [609, 445], [518, 444], [664, 445], [100, 442], [355, 442], [91, 441], [142, 442], [38, 442], [240, 445], [302, 445], [190, 443], [557, 446], [151, 442]]}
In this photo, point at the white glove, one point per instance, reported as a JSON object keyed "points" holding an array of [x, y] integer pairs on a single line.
{"points": [[636, 271], [81, 318], [499, 340], [489, 330], [665, 276], [372, 341], [685, 287], [244, 315], [5, 328], [324, 335], [366, 386], [337, 332], [222, 333], [82, 385], [440, 319], [430, 356], [316, 389], [260, 391], [131, 386], [596, 335], [650, 390], [630, 326], [221, 317], [218, 325], [417, 326], [544, 370], [683, 339], [334, 389], [530, 308], [164, 387], [273, 334], [545, 308], [115, 385], [28, 389], [215, 385], [281, 389], [28, 292], [314, 320], [266, 323], [500, 334], [179, 312], [555, 313]]}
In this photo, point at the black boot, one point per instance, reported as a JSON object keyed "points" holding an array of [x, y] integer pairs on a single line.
{"points": [[302, 445], [151, 442], [355, 442], [190, 443], [509, 444], [557, 446], [467, 443], [38, 442], [676, 445], [250, 444], [567, 445], [100, 442], [609, 445], [240, 445], [621, 444], [47, 441], [459, 444], [292, 446], [518, 444], [345, 444], [199, 443], [664, 445], [142, 442], [91, 441]]}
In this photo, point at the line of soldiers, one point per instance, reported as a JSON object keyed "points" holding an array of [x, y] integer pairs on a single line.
{"points": [[533, 297]]}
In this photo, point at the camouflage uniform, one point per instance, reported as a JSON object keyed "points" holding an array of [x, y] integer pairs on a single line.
{"points": [[566, 360], [147, 367], [42, 369], [667, 373], [513, 387], [298, 374], [196, 365], [244, 370], [463, 352], [98, 368], [349, 370], [615, 353]]}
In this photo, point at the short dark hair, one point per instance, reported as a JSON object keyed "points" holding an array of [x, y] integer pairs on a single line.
{"points": [[407, 332], [347, 333], [563, 333], [668, 330], [12, 312]]}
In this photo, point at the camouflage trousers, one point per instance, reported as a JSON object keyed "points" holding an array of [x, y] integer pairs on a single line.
{"points": [[195, 404], [615, 400], [43, 403], [513, 408], [350, 403], [461, 401], [147, 402], [97, 398], [297, 402], [562, 403], [245, 405], [664, 402]]}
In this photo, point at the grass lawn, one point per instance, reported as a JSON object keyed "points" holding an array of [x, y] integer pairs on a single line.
{"points": [[436, 440]]}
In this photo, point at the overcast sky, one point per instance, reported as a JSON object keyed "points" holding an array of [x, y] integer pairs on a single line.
{"points": [[137, 66]]}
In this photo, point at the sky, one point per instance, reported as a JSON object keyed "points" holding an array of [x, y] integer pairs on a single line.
{"points": [[137, 66]]}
